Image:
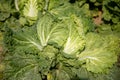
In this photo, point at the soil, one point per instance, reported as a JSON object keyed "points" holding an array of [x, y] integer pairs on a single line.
{"points": [[1, 57], [98, 19], [1, 50]]}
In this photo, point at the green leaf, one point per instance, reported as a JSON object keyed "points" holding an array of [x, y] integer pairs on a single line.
{"points": [[81, 73], [4, 16], [75, 41], [31, 9], [20, 66], [6, 6], [106, 15], [92, 0], [49, 52], [61, 74], [51, 32], [27, 40], [57, 3], [100, 53], [64, 11]]}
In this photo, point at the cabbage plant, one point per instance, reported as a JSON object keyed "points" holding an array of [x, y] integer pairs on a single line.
{"points": [[60, 45]]}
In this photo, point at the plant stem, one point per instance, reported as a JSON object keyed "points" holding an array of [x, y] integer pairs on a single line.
{"points": [[16, 5], [46, 6]]}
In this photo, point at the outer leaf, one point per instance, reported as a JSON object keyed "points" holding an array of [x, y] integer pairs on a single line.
{"points": [[61, 74], [26, 40], [100, 53], [21, 66], [81, 73], [4, 16], [49, 52], [112, 75], [56, 3], [6, 6], [64, 11]]}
